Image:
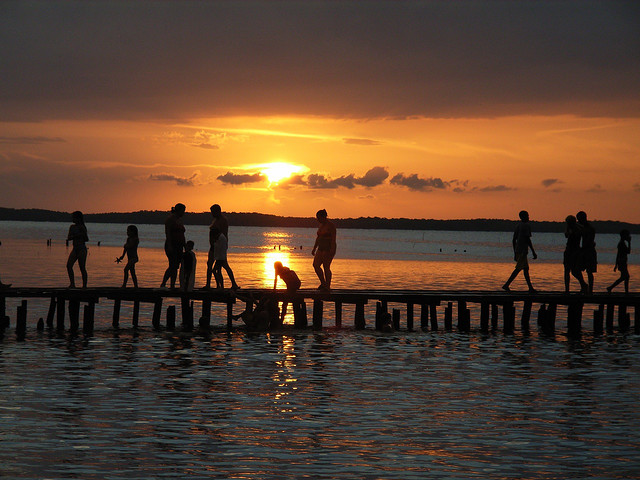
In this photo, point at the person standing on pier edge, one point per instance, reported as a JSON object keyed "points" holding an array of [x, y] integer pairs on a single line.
{"points": [[571, 259], [78, 236], [174, 244], [130, 249], [324, 249], [219, 235], [588, 255], [624, 249], [4, 285], [521, 245]]}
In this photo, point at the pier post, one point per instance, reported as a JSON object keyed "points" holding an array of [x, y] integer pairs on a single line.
{"points": [[395, 318], [88, 320], [338, 308], [574, 318], [448, 317], [526, 315], [229, 315], [136, 314], [410, 317], [21, 321], [115, 322], [494, 317], [424, 317], [464, 316], [610, 313], [300, 315], [433, 313], [74, 315], [552, 311], [359, 320], [157, 311], [60, 317], [205, 319], [484, 317], [51, 312], [318, 306], [636, 319], [623, 318], [187, 313], [3, 310], [598, 320], [171, 317], [509, 320]]}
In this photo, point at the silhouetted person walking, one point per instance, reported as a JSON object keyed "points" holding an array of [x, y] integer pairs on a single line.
{"points": [[78, 236], [324, 249], [219, 239], [130, 249], [588, 255], [571, 260], [521, 245], [174, 244], [624, 249]]}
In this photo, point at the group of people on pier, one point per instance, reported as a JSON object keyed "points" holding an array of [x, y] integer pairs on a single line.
{"points": [[579, 255], [182, 259]]}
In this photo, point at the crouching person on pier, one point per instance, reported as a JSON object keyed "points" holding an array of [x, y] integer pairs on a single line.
{"points": [[291, 280]]}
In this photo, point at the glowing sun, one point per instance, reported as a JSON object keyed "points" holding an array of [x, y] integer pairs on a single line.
{"points": [[278, 171]]}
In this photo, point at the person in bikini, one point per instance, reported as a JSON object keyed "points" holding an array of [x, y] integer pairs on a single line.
{"points": [[324, 249]]}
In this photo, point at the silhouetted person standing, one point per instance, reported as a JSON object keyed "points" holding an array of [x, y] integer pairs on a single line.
{"points": [[219, 238], [571, 259], [4, 285], [624, 249], [174, 244], [521, 245], [130, 249], [78, 236], [588, 255], [324, 249]]}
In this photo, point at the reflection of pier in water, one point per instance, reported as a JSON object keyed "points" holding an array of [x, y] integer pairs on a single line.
{"points": [[429, 306]]}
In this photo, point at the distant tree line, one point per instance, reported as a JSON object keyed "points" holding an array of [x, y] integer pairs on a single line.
{"points": [[264, 220]]}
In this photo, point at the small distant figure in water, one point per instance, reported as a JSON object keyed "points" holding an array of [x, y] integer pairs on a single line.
{"points": [[174, 244], [78, 236], [571, 260], [218, 247], [624, 249], [290, 279], [188, 268], [4, 285], [324, 249], [588, 254], [130, 249], [521, 245]]}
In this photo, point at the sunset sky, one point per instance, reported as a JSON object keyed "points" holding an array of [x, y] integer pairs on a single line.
{"points": [[465, 109]]}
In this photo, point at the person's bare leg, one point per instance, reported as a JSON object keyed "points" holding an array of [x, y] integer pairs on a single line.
{"points": [[328, 274], [528, 279], [227, 269], [209, 273], [126, 277], [317, 263], [72, 259], [590, 281], [134, 277], [512, 277]]}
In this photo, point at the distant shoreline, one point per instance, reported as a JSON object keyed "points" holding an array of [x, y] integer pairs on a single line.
{"points": [[266, 220]]}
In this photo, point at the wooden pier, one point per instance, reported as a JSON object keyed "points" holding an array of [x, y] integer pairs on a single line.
{"points": [[395, 310]]}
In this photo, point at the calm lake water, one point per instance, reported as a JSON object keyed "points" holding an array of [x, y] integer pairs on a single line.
{"points": [[333, 404]]}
